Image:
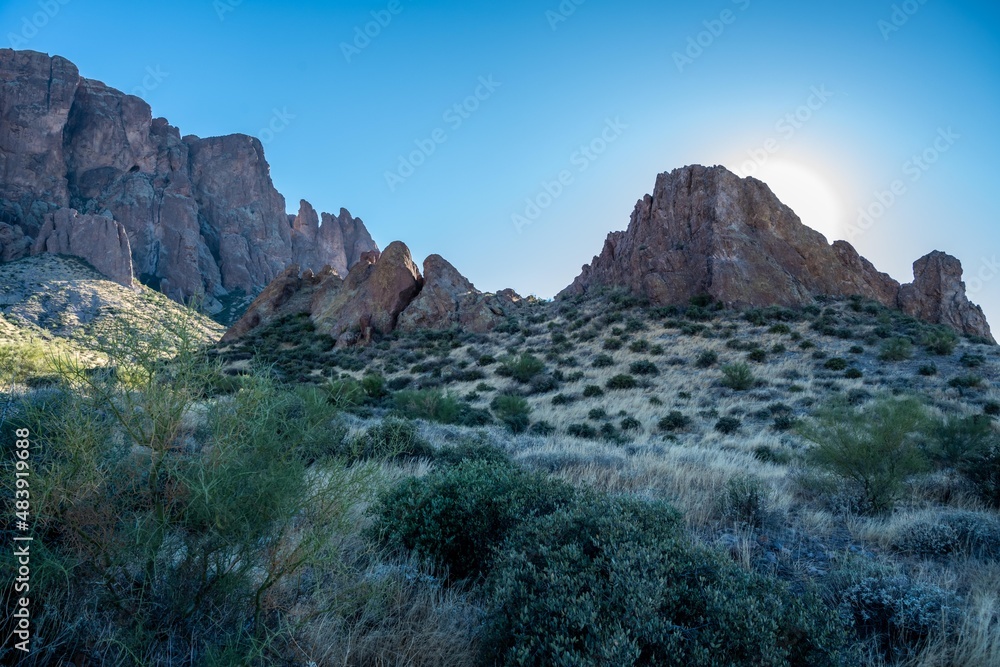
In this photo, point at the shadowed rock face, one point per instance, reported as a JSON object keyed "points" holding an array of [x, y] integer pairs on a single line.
{"points": [[202, 216], [379, 295], [100, 240], [705, 231], [937, 294]]}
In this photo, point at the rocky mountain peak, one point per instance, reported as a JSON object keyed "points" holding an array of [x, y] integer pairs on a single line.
{"points": [[706, 231]]}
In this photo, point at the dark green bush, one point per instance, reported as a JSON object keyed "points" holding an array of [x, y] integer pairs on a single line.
{"points": [[644, 368], [836, 364], [958, 439], [592, 391], [940, 341], [542, 428], [737, 377], [992, 409], [513, 411], [757, 356], [430, 404], [728, 425], [585, 431], [675, 421], [603, 361], [875, 447], [391, 439], [745, 501], [896, 349], [458, 516], [521, 368], [622, 382], [984, 473], [453, 455], [706, 359], [966, 382], [928, 370], [972, 360], [630, 424], [616, 582]]}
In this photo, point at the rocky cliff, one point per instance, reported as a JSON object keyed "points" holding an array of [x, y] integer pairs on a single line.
{"points": [[380, 294], [706, 231], [201, 216]]}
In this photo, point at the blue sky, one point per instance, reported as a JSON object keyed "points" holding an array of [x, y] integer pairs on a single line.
{"points": [[835, 104]]}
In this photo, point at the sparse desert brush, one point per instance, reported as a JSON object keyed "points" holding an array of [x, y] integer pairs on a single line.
{"points": [[896, 349], [738, 377], [514, 411], [522, 368], [875, 448], [621, 382]]}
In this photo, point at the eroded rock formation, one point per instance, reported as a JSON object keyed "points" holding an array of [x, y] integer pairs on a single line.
{"points": [[706, 231]]}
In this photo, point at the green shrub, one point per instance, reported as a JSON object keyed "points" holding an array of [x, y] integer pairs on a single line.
{"points": [[585, 431], [836, 364], [436, 405], [983, 470], [876, 447], [598, 414], [616, 582], [728, 425], [603, 361], [706, 359], [592, 391], [622, 382], [926, 538], [675, 421], [972, 360], [757, 356], [940, 341], [896, 349], [737, 377], [460, 515], [639, 346], [612, 344], [521, 368], [955, 440], [928, 370], [644, 368], [393, 438], [542, 428], [630, 424], [345, 394], [745, 500], [966, 382], [513, 411], [454, 455], [992, 409], [853, 374]]}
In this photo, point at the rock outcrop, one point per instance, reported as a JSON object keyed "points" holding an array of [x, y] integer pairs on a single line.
{"points": [[937, 294], [202, 216], [99, 240], [378, 295], [340, 241], [706, 231], [448, 300]]}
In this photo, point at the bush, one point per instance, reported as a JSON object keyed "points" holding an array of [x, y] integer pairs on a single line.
{"points": [[737, 377], [898, 612], [592, 391], [542, 428], [585, 431], [644, 368], [391, 439], [896, 349], [940, 341], [875, 448], [458, 516], [958, 439], [706, 359], [513, 411], [757, 356], [745, 501], [153, 526], [972, 360], [966, 382], [675, 421], [728, 425], [521, 368], [454, 455], [345, 394], [992, 409], [853, 374], [429, 404], [926, 538], [616, 582], [928, 370], [622, 382], [603, 361], [630, 424], [836, 364], [983, 471], [598, 414]]}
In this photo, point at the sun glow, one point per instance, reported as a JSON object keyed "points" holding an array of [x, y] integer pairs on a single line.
{"points": [[808, 194]]}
